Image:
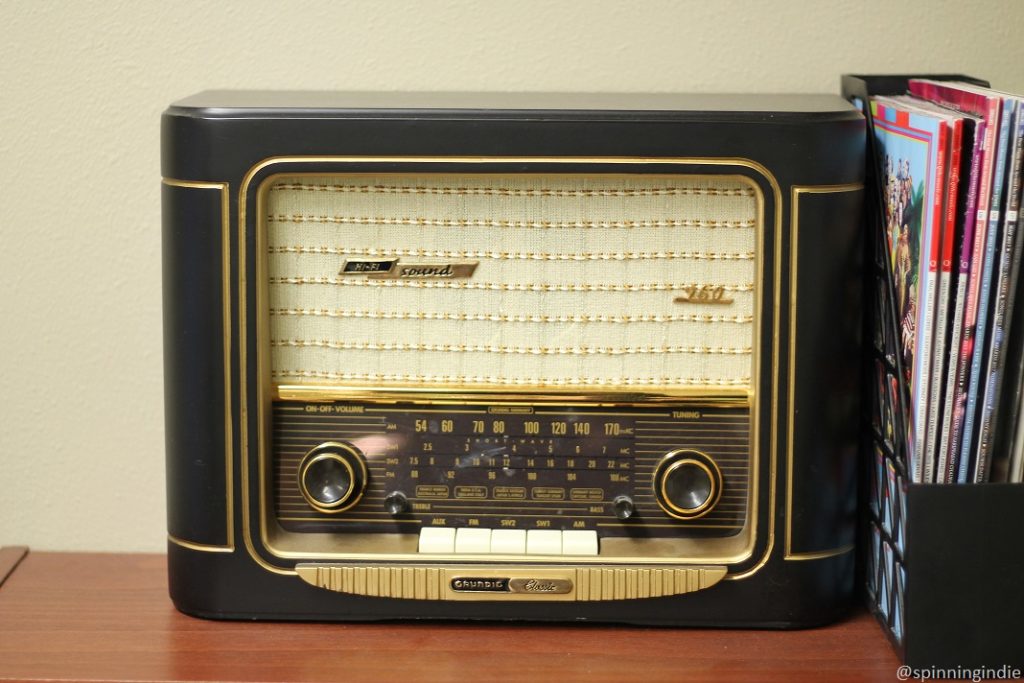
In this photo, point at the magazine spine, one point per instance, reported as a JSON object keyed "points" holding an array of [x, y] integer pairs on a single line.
{"points": [[939, 427]]}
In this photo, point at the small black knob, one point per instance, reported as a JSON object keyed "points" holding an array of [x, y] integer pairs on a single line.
{"points": [[623, 507], [332, 477], [396, 503]]}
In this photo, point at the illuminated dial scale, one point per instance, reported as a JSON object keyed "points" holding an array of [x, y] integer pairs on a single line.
{"points": [[654, 472]]}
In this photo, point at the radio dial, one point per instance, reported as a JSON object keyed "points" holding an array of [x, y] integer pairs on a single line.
{"points": [[332, 477], [687, 484]]}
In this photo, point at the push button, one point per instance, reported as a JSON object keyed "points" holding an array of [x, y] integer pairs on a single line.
{"points": [[437, 540], [543, 542], [579, 542], [508, 542], [473, 541], [477, 541]]}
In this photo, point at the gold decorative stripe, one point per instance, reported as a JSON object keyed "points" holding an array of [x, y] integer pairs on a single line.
{"points": [[200, 547], [518, 350], [515, 381], [519, 256], [819, 554], [516, 583], [421, 221], [508, 286], [512, 192], [513, 318]]}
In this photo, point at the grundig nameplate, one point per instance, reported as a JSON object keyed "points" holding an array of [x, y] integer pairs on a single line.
{"points": [[393, 269], [472, 582]]}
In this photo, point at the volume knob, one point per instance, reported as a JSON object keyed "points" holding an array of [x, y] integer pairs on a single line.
{"points": [[687, 484], [332, 476]]}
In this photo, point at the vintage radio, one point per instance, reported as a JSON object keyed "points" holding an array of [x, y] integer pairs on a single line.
{"points": [[552, 357]]}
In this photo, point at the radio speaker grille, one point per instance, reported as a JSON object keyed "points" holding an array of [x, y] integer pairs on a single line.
{"points": [[611, 281]]}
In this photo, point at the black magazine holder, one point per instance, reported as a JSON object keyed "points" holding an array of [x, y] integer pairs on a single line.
{"points": [[947, 583]]}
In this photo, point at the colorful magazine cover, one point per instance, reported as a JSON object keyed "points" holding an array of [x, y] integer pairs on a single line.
{"points": [[910, 142], [944, 200], [987, 105]]}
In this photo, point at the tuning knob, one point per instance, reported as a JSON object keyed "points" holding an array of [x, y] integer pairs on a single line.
{"points": [[332, 476], [687, 484]]}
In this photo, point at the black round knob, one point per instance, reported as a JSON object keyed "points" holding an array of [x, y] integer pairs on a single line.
{"points": [[687, 484], [332, 477], [396, 503], [623, 507]]}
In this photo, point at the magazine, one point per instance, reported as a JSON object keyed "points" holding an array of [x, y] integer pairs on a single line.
{"points": [[939, 265], [910, 141], [966, 203], [988, 106]]}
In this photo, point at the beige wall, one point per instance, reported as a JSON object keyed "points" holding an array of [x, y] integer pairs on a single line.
{"points": [[82, 86]]}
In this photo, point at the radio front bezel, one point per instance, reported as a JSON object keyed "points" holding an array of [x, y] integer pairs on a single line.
{"points": [[278, 551]]}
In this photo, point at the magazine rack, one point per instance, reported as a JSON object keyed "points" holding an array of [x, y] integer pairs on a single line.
{"points": [[943, 564]]}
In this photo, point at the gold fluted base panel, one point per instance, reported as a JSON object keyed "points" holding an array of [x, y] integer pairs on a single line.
{"points": [[520, 582]]}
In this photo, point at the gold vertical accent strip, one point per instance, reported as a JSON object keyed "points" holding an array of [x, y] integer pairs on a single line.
{"points": [[433, 584], [420, 589], [360, 580], [243, 388], [373, 582], [349, 581], [644, 585], [794, 266], [225, 247], [775, 376], [583, 583]]}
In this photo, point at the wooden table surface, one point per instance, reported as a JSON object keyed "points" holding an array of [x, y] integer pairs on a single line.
{"points": [[77, 616]]}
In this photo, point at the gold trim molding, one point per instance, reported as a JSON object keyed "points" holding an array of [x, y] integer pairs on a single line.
{"points": [[200, 547], [520, 583]]}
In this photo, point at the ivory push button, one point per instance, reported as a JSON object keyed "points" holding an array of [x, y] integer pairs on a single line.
{"points": [[579, 542], [508, 542], [437, 540], [543, 542], [472, 541]]}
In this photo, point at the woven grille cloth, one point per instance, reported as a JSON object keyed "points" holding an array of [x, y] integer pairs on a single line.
{"points": [[576, 283]]}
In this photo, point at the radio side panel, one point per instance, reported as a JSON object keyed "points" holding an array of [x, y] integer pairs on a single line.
{"points": [[827, 248], [196, 344]]}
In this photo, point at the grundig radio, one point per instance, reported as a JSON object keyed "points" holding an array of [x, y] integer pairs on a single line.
{"points": [[546, 357]]}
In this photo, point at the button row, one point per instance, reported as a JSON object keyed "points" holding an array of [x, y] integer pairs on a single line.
{"points": [[478, 541]]}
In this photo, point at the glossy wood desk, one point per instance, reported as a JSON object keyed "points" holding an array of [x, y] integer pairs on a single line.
{"points": [[71, 616]]}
